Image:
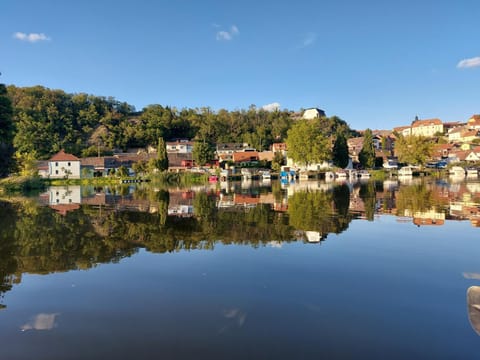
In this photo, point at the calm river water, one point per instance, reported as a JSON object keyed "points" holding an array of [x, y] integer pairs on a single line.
{"points": [[387, 270]]}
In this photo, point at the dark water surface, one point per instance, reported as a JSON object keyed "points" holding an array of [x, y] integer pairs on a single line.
{"points": [[334, 271]]}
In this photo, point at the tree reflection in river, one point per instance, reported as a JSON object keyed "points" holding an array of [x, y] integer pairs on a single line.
{"points": [[111, 224]]}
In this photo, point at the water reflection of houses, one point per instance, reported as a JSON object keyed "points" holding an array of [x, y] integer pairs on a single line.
{"points": [[181, 203], [62, 198], [463, 201], [429, 217], [245, 200], [444, 201], [119, 202], [69, 198]]}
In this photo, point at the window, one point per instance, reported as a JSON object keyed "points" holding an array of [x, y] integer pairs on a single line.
{"points": [[68, 164], [56, 172], [56, 164]]}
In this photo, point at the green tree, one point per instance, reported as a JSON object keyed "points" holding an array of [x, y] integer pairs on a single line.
{"points": [[315, 211], [202, 152], [122, 171], [415, 150], [278, 161], [368, 195], [367, 154], [139, 167], [6, 132], [340, 151], [27, 163], [162, 158], [306, 144]]}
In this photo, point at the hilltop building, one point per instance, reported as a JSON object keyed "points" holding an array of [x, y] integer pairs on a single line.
{"points": [[313, 113]]}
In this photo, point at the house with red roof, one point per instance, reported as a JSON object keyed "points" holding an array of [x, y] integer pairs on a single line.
{"points": [[63, 166], [474, 122], [427, 128]]}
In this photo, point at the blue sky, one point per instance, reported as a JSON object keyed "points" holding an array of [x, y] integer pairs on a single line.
{"points": [[375, 64]]}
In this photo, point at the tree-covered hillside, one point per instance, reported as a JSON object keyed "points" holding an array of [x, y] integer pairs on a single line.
{"points": [[45, 120]]}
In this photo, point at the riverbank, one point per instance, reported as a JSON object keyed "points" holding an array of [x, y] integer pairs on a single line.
{"points": [[24, 184]]}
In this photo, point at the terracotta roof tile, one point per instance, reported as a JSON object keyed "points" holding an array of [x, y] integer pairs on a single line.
{"points": [[63, 156], [427, 122]]}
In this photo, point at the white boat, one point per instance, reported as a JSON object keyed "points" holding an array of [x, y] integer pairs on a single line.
{"points": [[303, 175], [341, 175], [405, 171], [363, 174], [329, 176], [472, 172], [266, 175], [246, 173], [457, 171]]}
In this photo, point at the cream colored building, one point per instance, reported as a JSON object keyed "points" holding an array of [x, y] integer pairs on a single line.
{"points": [[455, 134], [474, 122], [427, 128], [313, 113], [64, 195], [63, 165]]}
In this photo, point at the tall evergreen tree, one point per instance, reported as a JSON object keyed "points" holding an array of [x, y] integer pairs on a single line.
{"points": [[340, 151], [367, 154], [162, 158], [6, 132]]}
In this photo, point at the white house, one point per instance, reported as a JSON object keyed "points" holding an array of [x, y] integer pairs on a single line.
{"points": [[179, 146], [455, 134], [474, 122], [63, 165], [64, 195], [427, 128], [313, 113]]}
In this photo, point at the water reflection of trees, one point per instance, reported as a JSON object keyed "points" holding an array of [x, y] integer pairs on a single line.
{"points": [[37, 239], [416, 198], [321, 211], [8, 264]]}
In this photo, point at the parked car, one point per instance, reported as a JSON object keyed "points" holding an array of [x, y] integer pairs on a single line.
{"points": [[442, 165]]}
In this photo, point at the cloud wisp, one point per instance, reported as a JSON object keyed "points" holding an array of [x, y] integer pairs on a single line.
{"points": [[32, 37], [271, 107], [469, 63], [308, 40], [41, 322], [227, 35]]}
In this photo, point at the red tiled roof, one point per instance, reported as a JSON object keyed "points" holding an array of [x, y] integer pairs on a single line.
{"points": [[401, 128], [461, 154], [469, 133], [427, 122], [245, 156], [63, 156], [63, 209], [42, 165], [444, 146], [474, 120]]}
